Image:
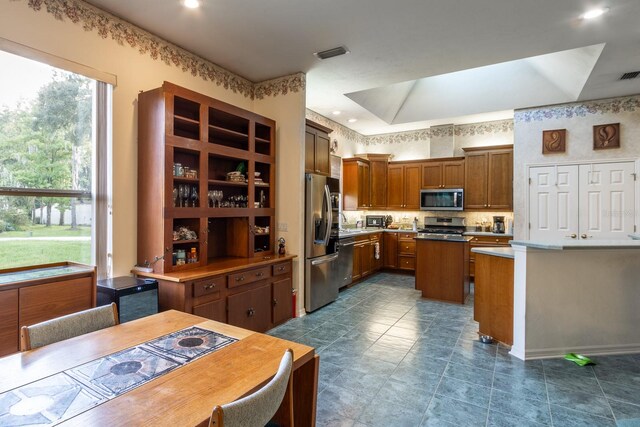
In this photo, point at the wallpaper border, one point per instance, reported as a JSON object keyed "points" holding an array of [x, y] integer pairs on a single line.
{"points": [[628, 104], [123, 32]]}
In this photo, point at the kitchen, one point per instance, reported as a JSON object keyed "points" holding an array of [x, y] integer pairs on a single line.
{"points": [[137, 72]]}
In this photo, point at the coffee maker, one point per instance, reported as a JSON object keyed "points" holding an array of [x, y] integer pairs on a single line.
{"points": [[498, 224]]}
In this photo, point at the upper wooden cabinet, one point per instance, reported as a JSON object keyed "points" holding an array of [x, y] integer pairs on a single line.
{"points": [[188, 144], [316, 149], [489, 178], [403, 185], [356, 187], [378, 179], [443, 174]]}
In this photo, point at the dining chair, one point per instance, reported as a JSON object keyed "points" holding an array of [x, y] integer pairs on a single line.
{"points": [[257, 409], [69, 326]]}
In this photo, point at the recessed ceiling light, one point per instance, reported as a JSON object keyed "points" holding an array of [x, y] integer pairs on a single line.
{"points": [[192, 4], [352, 120], [594, 13], [336, 113]]}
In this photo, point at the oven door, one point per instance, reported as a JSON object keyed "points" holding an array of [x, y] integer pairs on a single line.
{"points": [[442, 200]]}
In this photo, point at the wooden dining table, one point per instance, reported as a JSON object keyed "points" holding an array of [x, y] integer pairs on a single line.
{"points": [[184, 396]]}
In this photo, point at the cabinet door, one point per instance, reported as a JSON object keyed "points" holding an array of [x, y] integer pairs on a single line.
{"points": [[357, 265], [500, 180], [9, 322], [390, 250], [323, 163], [44, 302], [366, 259], [364, 190], [281, 293], [412, 187], [309, 151], [378, 184], [395, 191], [475, 186], [251, 309], [432, 175], [378, 262], [453, 174], [213, 310]]}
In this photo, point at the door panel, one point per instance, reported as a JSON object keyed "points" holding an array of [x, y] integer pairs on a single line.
{"points": [[453, 174], [281, 300], [412, 186], [432, 175], [323, 165], [500, 186], [309, 152], [553, 202], [607, 200], [475, 187], [395, 193]]}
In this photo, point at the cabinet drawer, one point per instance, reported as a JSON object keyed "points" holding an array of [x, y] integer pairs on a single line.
{"points": [[406, 263], [208, 286], [406, 247], [491, 240], [282, 268], [249, 276], [406, 236]]}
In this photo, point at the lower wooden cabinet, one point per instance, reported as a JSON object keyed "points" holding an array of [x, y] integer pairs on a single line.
{"points": [[281, 300], [390, 250], [251, 309], [493, 298], [406, 250], [9, 338], [50, 300], [486, 242], [253, 297], [365, 262]]}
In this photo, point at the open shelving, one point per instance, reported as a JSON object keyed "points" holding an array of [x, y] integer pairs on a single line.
{"points": [[212, 139]]}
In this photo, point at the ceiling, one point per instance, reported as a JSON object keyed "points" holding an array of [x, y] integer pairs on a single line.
{"points": [[412, 63]]}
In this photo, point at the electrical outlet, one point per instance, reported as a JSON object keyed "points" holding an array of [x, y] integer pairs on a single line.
{"points": [[282, 226]]}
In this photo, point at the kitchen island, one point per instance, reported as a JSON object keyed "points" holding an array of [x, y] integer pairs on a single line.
{"points": [[576, 296], [442, 268]]}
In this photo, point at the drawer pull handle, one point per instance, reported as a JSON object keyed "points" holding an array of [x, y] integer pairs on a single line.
{"points": [[239, 278], [275, 302], [251, 312], [281, 268], [260, 274], [211, 286]]}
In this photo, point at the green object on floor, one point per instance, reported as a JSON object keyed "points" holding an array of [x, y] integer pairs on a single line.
{"points": [[579, 359]]}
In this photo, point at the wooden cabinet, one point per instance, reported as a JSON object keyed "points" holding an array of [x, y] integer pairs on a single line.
{"points": [[493, 297], [251, 309], [390, 250], [442, 270], [489, 178], [443, 174], [377, 242], [378, 164], [487, 242], [365, 262], [210, 138], [356, 190], [30, 295], [316, 149], [406, 250], [9, 336], [228, 292], [403, 185]]}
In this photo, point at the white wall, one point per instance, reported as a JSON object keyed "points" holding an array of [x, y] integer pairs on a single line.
{"points": [[135, 72], [578, 119]]}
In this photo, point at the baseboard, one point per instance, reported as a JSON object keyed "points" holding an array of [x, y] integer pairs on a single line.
{"points": [[595, 350]]}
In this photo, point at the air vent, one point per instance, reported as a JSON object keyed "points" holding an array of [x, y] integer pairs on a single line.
{"points": [[330, 53], [631, 75]]}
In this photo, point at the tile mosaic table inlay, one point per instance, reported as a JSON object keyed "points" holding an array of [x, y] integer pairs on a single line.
{"points": [[61, 396]]}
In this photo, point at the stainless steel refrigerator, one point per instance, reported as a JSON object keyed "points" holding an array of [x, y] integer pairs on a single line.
{"points": [[321, 278]]}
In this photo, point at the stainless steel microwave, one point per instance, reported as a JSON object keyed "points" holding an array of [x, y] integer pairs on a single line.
{"points": [[450, 199]]}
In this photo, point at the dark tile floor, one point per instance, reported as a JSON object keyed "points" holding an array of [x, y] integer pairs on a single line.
{"points": [[390, 358]]}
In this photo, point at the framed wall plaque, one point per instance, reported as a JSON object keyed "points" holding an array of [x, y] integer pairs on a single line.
{"points": [[606, 136], [554, 141]]}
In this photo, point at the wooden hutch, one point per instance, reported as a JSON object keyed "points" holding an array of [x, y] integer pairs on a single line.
{"points": [[188, 144]]}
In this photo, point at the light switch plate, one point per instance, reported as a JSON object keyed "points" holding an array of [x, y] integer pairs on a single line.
{"points": [[282, 226]]}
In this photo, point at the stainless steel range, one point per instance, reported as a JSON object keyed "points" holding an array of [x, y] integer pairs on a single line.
{"points": [[443, 228]]}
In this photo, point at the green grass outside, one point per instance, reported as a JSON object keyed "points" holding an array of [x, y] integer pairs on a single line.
{"points": [[44, 231], [23, 252]]}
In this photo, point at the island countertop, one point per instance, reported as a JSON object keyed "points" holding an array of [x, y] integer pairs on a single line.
{"points": [[501, 252], [579, 244]]}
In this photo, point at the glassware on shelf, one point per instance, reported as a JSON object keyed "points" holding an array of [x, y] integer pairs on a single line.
{"points": [[184, 194], [219, 196], [175, 195], [194, 195]]}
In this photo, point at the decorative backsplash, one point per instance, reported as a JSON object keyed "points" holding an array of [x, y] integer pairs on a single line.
{"points": [[107, 25], [628, 104]]}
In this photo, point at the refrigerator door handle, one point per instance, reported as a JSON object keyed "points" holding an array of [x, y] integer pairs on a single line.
{"points": [[324, 260], [329, 217]]}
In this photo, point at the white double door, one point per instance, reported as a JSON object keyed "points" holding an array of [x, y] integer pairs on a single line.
{"points": [[587, 201]]}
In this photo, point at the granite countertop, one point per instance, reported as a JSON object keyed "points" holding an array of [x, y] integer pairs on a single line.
{"points": [[486, 233], [635, 236], [352, 232], [578, 244], [501, 252], [454, 239]]}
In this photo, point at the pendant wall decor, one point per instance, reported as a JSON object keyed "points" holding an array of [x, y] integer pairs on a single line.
{"points": [[606, 136], [554, 141]]}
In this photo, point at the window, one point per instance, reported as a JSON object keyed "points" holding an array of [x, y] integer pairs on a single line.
{"points": [[51, 127]]}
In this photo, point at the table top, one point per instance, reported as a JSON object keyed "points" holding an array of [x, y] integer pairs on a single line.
{"points": [[184, 396], [505, 252]]}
